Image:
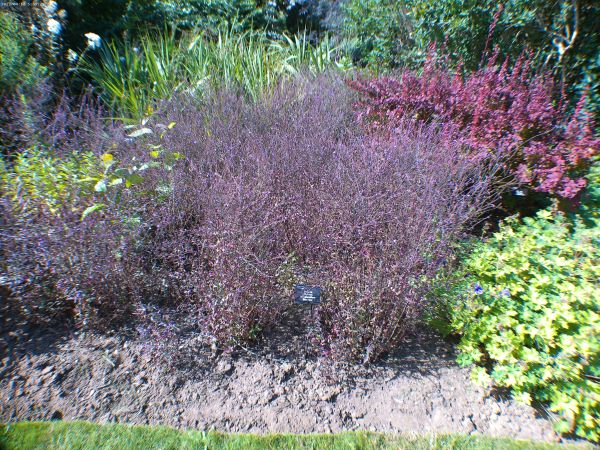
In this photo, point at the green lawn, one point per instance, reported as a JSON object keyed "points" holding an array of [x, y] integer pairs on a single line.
{"points": [[85, 435]]}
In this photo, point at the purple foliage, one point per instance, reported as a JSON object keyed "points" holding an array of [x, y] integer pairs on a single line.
{"points": [[57, 122], [290, 189], [58, 267]]}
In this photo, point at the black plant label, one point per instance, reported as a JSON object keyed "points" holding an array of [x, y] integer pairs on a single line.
{"points": [[307, 295]]}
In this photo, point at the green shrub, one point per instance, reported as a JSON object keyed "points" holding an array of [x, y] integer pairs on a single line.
{"points": [[31, 70], [119, 18], [18, 67], [379, 32], [245, 15], [526, 306], [37, 180]]}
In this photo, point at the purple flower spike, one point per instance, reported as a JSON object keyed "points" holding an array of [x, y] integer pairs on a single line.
{"points": [[478, 289], [505, 293]]}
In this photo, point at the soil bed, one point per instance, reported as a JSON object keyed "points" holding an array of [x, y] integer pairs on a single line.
{"points": [[276, 387]]}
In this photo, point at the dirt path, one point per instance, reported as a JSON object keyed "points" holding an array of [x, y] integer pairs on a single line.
{"points": [[45, 375]]}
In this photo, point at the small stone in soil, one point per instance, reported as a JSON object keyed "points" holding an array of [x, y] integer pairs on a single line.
{"points": [[47, 370], [328, 393], [284, 371], [267, 397], [224, 368]]}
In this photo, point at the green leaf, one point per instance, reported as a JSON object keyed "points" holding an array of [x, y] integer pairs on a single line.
{"points": [[91, 209], [149, 165], [133, 179], [122, 173], [140, 132]]}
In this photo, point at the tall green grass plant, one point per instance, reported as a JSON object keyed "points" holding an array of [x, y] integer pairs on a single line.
{"points": [[133, 78]]}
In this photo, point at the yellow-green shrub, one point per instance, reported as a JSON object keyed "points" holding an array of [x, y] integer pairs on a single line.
{"points": [[42, 180], [526, 305]]}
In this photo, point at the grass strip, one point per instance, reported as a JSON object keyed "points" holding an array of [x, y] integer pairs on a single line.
{"points": [[87, 435]]}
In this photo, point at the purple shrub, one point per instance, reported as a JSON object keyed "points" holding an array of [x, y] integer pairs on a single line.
{"points": [[388, 213], [54, 265], [290, 189], [57, 122], [220, 243], [58, 267], [284, 190]]}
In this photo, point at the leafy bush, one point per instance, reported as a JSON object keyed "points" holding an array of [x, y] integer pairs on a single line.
{"points": [[289, 189], [117, 19], [71, 216], [70, 235], [495, 110], [23, 77], [37, 181], [18, 66], [527, 314], [38, 30], [243, 15], [561, 35], [379, 32], [268, 192], [134, 79], [107, 18]]}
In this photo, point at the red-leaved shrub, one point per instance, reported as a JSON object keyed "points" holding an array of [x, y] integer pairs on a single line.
{"points": [[495, 110]]}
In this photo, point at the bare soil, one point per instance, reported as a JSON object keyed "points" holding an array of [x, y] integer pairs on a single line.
{"points": [[277, 386]]}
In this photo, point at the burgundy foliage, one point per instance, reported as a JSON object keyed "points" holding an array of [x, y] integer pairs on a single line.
{"points": [[495, 110], [60, 268], [290, 190]]}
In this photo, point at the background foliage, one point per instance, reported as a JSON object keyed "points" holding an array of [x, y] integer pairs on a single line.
{"points": [[118, 18], [19, 68], [398, 34], [134, 78]]}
